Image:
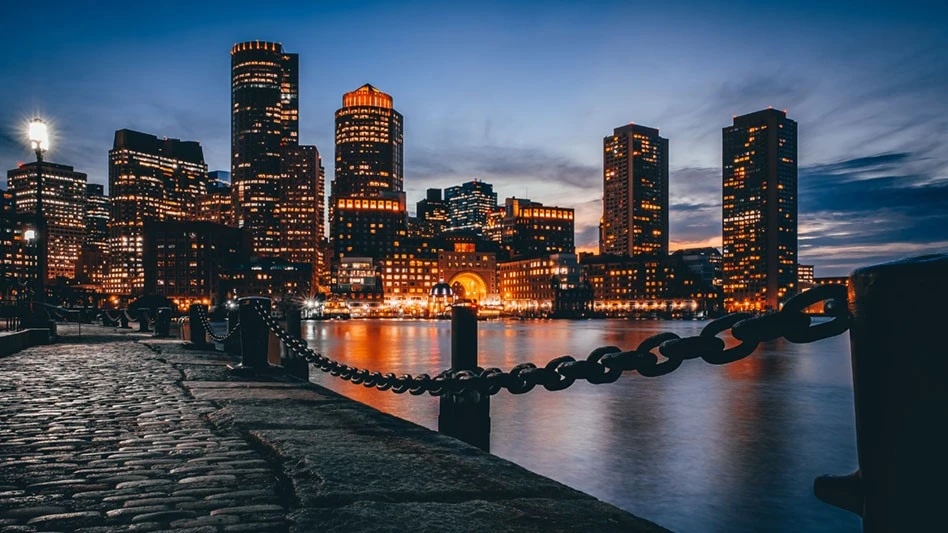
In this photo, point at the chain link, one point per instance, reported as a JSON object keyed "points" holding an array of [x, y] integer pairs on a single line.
{"points": [[605, 364], [210, 331]]}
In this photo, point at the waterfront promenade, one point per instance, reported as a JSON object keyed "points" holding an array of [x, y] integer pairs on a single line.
{"points": [[116, 431]]}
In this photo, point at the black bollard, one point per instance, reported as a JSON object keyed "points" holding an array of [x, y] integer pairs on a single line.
{"points": [[163, 322], [143, 320], [254, 334], [232, 344], [123, 320], [197, 335], [293, 363], [465, 417], [900, 383]]}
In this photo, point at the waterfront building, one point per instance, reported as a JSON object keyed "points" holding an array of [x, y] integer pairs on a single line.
{"points": [[150, 180], [635, 193], [368, 215], [705, 263], [469, 206], [760, 211], [64, 206], [90, 269], [264, 118], [301, 207], [407, 278], [552, 284], [529, 229], [18, 255], [805, 277], [268, 276], [185, 261], [470, 270], [431, 214], [357, 278]]}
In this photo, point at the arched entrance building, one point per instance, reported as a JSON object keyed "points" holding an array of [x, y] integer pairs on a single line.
{"points": [[469, 285], [470, 271]]}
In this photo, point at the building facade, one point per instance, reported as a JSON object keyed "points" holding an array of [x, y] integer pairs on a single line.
{"points": [[760, 211], [368, 227], [432, 214], [301, 208], [185, 261], [470, 205], [63, 206], [527, 229], [94, 253], [369, 145], [264, 118], [471, 273], [635, 193], [18, 265], [150, 180], [543, 285]]}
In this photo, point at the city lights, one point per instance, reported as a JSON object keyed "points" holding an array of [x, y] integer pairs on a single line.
{"points": [[38, 135]]}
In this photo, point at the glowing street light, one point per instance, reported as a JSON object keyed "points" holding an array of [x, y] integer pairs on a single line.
{"points": [[39, 137]]}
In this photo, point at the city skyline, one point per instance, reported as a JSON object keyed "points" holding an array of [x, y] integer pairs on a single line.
{"points": [[872, 182]]}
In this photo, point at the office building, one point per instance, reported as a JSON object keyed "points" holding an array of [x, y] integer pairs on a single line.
{"points": [[93, 256], [369, 151], [301, 208], [64, 206], [527, 229], [431, 214], [635, 193], [18, 267], [760, 211], [264, 118], [469, 206], [368, 227], [150, 179]]}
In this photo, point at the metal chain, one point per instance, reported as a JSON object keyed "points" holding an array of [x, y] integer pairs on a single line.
{"points": [[210, 331], [606, 364]]}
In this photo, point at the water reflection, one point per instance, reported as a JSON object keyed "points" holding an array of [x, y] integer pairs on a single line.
{"points": [[706, 448]]}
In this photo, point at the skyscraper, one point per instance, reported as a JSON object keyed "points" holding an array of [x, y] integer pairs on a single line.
{"points": [[92, 257], [469, 206], [527, 229], [635, 193], [432, 214], [150, 179], [64, 205], [760, 210], [368, 145], [301, 211], [368, 216], [264, 117]]}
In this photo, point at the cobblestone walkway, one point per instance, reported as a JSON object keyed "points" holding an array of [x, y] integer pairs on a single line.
{"points": [[99, 435]]}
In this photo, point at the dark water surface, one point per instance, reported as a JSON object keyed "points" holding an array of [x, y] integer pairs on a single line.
{"points": [[706, 448]]}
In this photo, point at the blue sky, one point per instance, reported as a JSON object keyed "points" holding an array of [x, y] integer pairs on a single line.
{"points": [[520, 94]]}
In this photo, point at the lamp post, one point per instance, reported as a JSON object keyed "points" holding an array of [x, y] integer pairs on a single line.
{"points": [[39, 142]]}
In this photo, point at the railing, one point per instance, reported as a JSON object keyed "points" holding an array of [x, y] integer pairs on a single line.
{"points": [[900, 376]]}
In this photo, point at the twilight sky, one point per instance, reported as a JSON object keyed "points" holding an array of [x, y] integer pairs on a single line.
{"points": [[520, 94]]}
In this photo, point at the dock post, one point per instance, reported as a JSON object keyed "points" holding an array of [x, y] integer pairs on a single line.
{"points": [[163, 322], [254, 334], [900, 385], [465, 416], [197, 336], [232, 344], [294, 364]]}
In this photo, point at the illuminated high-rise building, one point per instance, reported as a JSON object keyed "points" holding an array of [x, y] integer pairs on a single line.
{"points": [[368, 145], [368, 216], [64, 206], [92, 257], [301, 210], [527, 229], [217, 204], [150, 179], [18, 255], [264, 118], [635, 193], [469, 206], [432, 214], [760, 210]]}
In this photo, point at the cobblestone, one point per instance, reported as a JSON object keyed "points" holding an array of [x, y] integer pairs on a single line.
{"points": [[101, 436]]}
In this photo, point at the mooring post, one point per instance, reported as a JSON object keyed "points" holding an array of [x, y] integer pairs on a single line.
{"points": [[465, 416], [900, 384], [292, 363], [232, 344], [254, 333], [143, 320], [163, 322], [197, 336]]}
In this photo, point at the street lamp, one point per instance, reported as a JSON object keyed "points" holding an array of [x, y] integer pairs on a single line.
{"points": [[39, 143]]}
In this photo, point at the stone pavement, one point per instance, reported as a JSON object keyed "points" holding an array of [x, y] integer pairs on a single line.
{"points": [[116, 432]]}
